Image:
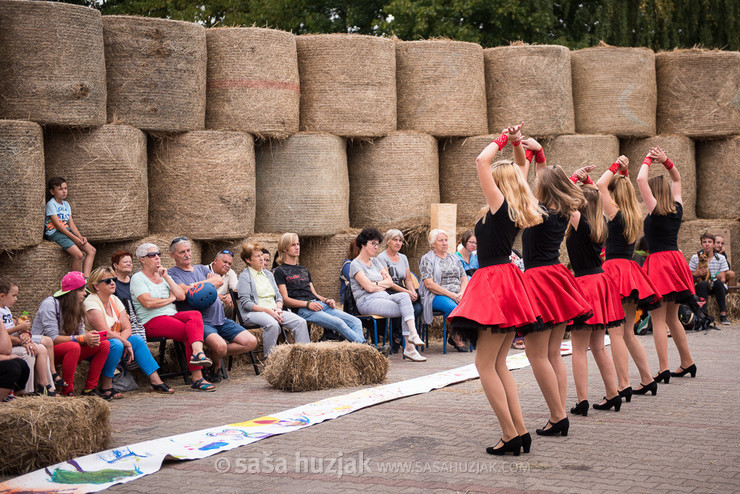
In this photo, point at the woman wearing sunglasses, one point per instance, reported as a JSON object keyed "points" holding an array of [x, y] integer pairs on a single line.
{"points": [[106, 313]]}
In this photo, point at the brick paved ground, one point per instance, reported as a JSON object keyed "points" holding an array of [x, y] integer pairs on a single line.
{"points": [[685, 439]]}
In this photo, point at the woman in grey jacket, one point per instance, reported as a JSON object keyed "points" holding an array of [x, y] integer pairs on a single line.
{"points": [[261, 304]]}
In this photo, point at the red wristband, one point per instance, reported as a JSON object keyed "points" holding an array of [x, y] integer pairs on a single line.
{"points": [[574, 178], [647, 161], [668, 164], [516, 143], [625, 172], [615, 167], [539, 156], [501, 141], [588, 181], [530, 155]]}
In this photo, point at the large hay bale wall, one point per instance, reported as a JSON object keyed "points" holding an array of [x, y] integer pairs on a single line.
{"points": [[106, 172], [573, 152], [348, 84], [52, 68], [441, 88], [156, 70], [303, 186], [718, 178], [257, 93], [202, 183], [530, 84], [162, 240], [458, 178], [268, 241], [689, 243], [324, 257], [614, 91], [22, 187], [680, 150], [393, 181], [698, 92]]}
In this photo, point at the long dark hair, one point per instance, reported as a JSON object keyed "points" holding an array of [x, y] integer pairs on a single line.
{"points": [[73, 312]]}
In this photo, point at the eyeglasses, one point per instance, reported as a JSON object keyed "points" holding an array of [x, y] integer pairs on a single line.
{"points": [[152, 255], [227, 251], [178, 240], [108, 281], [374, 243]]}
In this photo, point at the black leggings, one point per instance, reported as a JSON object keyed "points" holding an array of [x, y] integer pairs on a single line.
{"points": [[718, 288], [13, 374]]}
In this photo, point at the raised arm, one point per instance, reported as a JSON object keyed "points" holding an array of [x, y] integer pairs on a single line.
{"points": [[535, 148], [621, 166], [657, 154], [642, 184], [494, 197]]}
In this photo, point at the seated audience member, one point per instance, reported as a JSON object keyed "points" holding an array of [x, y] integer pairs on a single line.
{"points": [[709, 270], [123, 265], [154, 292], [352, 252], [62, 318], [719, 248], [267, 258], [296, 288], [13, 370], [261, 304], [106, 313], [443, 281], [223, 336], [468, 253], [221, 266]]}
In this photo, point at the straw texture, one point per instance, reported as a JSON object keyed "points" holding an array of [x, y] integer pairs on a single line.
{"points": [[324, 257], [573, 152], [718, 179]]}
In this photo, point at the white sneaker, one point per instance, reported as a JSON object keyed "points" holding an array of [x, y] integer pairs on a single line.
{"points": [[416, 340], [413, 355]]}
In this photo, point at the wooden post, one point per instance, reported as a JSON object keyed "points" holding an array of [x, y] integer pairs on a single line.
{"points": [[444, 216]]}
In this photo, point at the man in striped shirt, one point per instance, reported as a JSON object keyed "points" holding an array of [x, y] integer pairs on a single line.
{"points": [[717, 269]]}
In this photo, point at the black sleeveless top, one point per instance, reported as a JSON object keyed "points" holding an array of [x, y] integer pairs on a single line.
{"points": [[661, 231], [495, 237], [583, 252], [541, 243], [616, 243]]}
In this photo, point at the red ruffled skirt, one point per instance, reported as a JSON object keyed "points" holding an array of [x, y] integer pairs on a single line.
{"points": [[633, 283], [602, 295], [669, 272], [496, 299], [556, 296]]}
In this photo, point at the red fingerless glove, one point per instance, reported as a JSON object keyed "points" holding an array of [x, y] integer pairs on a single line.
{"points": [[574, 178], [530, 155], [588, 181], [625, 172], [539, 156], [668, 164], [615, 167], [647, 161], [501, 141]]}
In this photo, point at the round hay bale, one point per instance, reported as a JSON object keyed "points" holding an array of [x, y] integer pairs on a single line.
{"points": [[259, 93], [268, 240], [733, 306], [161, 240], [575, 151], [690, 244], [393, 181], [312, 366], [106, 170], [441, 88], [324, 256], [156, 72], [348, 84], [530, 84], [614, 91], [698, 92], [22, 196], [458, 179], [215, 172], [680, 150], [47, 430], [718, 178], [303, 185], [52, 68]]}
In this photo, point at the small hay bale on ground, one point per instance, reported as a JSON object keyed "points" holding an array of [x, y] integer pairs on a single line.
{"points": [[214, 170], [156, 70], [23, 184], [303, 185], [614, 91], [47, 430], [689, 242], [530, 84], [259, 93], [698, 92], [348, 84], [324, 256], [733, 307], [680, 150], [312, 366], [52, 68], [718, 178], [377, 197], [441, 88], [573, 152], [268, 241], [161, 240], [106, 170]]}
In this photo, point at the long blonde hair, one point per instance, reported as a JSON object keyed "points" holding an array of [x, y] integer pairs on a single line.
{"points": [[623, 196], [661, 189], [553, 187], [523, 208], [286, 240], [593, 213]]}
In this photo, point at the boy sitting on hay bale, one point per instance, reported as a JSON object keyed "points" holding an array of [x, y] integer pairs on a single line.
{"points": [[13, 371]]}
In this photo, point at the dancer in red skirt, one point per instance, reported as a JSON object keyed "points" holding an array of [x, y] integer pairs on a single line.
{"points": [[557, 297], [585, 238], [666, 266], [496, 302], [635, 288]]}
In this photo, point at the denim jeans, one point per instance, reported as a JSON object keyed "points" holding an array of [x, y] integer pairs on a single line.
{"points": [[345, 324], [142, 356]]}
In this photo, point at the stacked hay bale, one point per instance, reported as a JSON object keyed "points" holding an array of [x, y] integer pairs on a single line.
{"points": [[680, 150], [614, 91], [302, 185], [441, 88], [573, 152], [161, 240], [530, 84], [268, 241], [202, 183], [698, 92], [259, 93], [718, 178], [106, 171], [22, 197], [324, 257], [46, 73], [393, 181], [156, 73], [690, 244], [415, 245], [348, 84]]}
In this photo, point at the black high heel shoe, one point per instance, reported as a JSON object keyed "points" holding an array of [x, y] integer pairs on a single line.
{"points": [[555, 428], [526, 442], [626, 393], [664, 376], [581, 408], [513, 445], [459, 348], [688, 370], [615, 402], [644, 388]]}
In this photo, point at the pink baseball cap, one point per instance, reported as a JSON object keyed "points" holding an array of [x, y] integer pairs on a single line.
{"points": [[71, 281]]}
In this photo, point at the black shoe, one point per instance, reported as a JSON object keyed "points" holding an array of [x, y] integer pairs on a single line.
{"points": [[644, 388], [581, 408], [526, 442], [626, 393], [724, 319], [214, 375], [615, 402], [460, 348], [688, 370], [558, 427], [514, 446], [664, 376]]}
